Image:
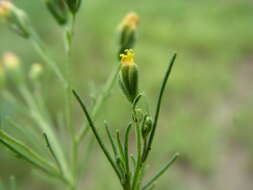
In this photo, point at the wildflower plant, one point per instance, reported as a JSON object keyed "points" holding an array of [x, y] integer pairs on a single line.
{"points": [[57, 164], [130, 169]]}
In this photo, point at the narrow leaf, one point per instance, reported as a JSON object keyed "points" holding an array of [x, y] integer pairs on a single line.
{"points": [[158, 106], [111, 139], [52, 152], [27, 154], [94, 130], [161, 172]]}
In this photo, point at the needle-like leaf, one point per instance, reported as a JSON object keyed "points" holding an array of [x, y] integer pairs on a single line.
{"points": [[161, 172], [111, 139], [27, 154], [94, 130], [52, 152], [158, 106]]}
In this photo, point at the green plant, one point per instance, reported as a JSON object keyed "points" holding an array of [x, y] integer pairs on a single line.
{"points": [[57, 164], [131, 175]]}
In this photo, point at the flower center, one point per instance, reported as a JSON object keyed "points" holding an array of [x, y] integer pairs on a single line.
{"points": [[128, 57]]}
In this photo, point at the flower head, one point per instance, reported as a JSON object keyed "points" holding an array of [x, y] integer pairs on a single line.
{"points": [[12, 66], [131, 21], [5, 8], [15, 17], [11, 61], [128, 78], [128, 57]]}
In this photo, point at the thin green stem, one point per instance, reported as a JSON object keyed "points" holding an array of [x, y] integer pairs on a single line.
{"points": [[128, 173], [43, 124], [161, 172], [94, 130], [69, 33], [139, 160], [158, 106], [42, 51], [38, 96], [133, 160]]}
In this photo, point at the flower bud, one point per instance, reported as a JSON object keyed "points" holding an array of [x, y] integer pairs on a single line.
{"points": [[148, 123], [128, 77], [128, 32], [13, 67], [15, 17], [74, 5], [58, 9], [36, 71]]}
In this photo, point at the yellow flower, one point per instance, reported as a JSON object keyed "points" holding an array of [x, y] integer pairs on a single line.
{"points": [[15, 17], [128, 57], [12, 66], [11, 61], [131, 20], [128, 77], [5, 8]]}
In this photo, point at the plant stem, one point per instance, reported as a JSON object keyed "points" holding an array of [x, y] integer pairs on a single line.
{"points": [[128, 173], [42, 51], [69, 33], [39, 47], [139, 164], [45, 127]]}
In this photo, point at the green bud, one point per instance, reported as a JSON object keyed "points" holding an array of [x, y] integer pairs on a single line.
{"points": [[74, 5], [36, 71], [15, 17], [58, 9], [128, 77], [148, 123], [128, 32]]}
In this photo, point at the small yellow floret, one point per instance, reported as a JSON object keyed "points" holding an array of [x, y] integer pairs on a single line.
{"points": [[131, 20], [11, 61], [128, 57], [5, 8]]}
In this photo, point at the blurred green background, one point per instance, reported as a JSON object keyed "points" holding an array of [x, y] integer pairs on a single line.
{"points": [[207, 110]]}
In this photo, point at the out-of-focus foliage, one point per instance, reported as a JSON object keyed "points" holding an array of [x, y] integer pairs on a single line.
{"points": [[207, 112]]}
